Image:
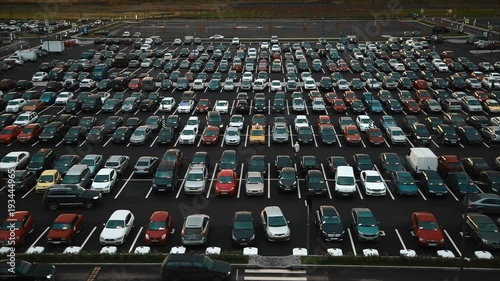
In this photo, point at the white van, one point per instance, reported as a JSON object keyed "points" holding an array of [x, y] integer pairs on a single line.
{"points": [[345, 182], [421, 158]]}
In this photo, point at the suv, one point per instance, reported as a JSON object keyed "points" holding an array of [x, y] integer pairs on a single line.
{"points": [[195, 230], [190, 267], [70, 194], [275, 224], [166, 176], [196, 179]]}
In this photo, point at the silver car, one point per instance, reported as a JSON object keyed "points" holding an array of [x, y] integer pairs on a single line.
{"points": [[195, 230], [280, 132], [196, 179], [396, 135], [433, 105], [254, 185], [298, 104], [275, 224], [118, 162], [318, 104], [141, 135], [232, 136]]}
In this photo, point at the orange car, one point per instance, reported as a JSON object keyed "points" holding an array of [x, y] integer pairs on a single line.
{"points": [[420, 84], [330, 97], [352, 135], [30, 133], [481, 96], [427, 230], [64, 228], [324, 120], [339, 106], [34, 105], [349, 96], [134, 84], [9, 133]]}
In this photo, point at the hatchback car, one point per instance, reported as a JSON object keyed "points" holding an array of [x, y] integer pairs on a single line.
{"points": [[364, 224], [195, 230], [427, 230], [275, 224]]}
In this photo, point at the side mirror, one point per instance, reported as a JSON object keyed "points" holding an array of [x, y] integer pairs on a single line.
{"points": [[288, 222], [103, 224]]}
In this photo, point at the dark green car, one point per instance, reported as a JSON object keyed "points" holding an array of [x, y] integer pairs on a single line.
{"points": [[315, 182], [166, 135], [229, 160], [461, 183], [243, 230], [122, 134], [74, 135], [327, 135], [432, 184], [362, 162], [484, 230], [111, 105], [305, 135], [288, 179], [257, 163], [364, 224], [214, 85]]}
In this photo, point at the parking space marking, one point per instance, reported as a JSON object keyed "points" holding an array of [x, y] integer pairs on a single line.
{"points": [[88, 237], [182, 185], [35, 143], [149, 192], [326, 182], [212, 180], [352, 242], [461, 145], [246, 136], [240, 181], [125, 184], [106, 143], [135, 240], [486, 145], [359, 191], [12, 143], [298, 185], [314, 137], [291, 135], [38, 239], [307, 111], [268, 180], [287, 109], [154, 141], [400, 239], [409, 142], [251, 106], [451, 192], [389, 190], [29, 191], [268, 136], [83, 142], [268, 107], [452, 242], [421, 194], [435, 143]]}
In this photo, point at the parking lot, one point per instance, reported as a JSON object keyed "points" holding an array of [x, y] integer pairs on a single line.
{"points": [[135, 193]]}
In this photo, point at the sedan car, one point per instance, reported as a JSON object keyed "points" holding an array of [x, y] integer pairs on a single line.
{"points": [[329, 223], [65, 228], [158, 228], [373, 183], [141, 135], [475, 165], [364, 225], [483, 229], [427, 230], [117, 228], [19, 224], [243, 228], [118, 162], [275, 224]]}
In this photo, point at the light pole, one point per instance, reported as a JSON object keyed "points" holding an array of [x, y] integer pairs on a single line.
{"points": [[308, 203], [464, 228]]}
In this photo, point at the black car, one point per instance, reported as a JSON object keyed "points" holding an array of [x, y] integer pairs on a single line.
{"points": [[73, 106], [173, 121], [75, 134], [147, 105], [96, 134], [308, 162], [53, 132], [7, 119], [329, 223], [154, 122], [475, 165], [111, 123], [22, 85], [431, 183], [26, 271], [470, 135], [484, 230], [68, 120], [408, 122], [111, 105], [490, 181], [242, 106], [420, 134], [288, 179], [87, 122], [278, 105], [362, 162], [393, 106], [447, 135], [479, 122], [243, 229], [282, 161], [133, 122], [305, 135], [327, 135], [70, 195], [166, 135], [194, 267], [432, 122], [260, 105], [122, 134], [24, 180], [166, 176], [65, 162], [42, 160]]}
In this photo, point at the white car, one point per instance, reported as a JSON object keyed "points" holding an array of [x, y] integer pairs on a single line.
{"points": [[396, 135], [168, 56], [177, 41], [259, 84], [198, 85], [247, 76], [264, 45], [87, 83], [232, 136], [491, 83], [145, 47], [305, 75], [188, 135], [299, 55], [309, 84], [275, 224], [64, 97], [342, 85], [146, 62], [15, 105], [15, 160], [372, 84], [495, 121], [254, 184], [104, 96], [359, 56], [275, 48], [126, 34], [185, 106], [104, 180], [235, 41], [167, 104], [471, 104], [237, 121], [441, 67], [373, 183], [300, 121], [193, 122], [40, 77], [117, 228], [221, 106], [252, 53], [473, 83], [26, 118], [228, 85], [318, 104], [298, 104], [217, 37], [276, 86], [364, 122]]}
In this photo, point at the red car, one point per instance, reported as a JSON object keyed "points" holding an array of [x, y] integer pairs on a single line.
{"points": [[420, 84], [210, 136], [481, 96], [333, 67], [22, 222], [411, 106], [189, 76], [159, 228], [7, 85], [330, 97], [64, 228], [352, 135], [449, 163], [261, 67], [343, 66], [314, 94], [134, 84], [30, 133], [339, 106], [423, 95], [203, 105], [349, 96], [427, 230], [324, 120], [448, 61], [70, 43], [375, 136], [226, 182], [9, 133]]}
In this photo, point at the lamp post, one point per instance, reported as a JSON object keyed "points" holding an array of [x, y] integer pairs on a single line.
{"points": [[308, 203], [464, 226]]}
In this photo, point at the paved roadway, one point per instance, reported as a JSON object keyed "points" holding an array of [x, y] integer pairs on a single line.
{"points": [[138, 272], [131, 193]]}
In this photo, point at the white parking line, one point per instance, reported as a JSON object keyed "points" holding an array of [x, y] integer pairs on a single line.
{"points": [[153, 141], [287, 109], [326, 181], [268, 136], [182, 185], [314, 137], [35, 143], [291, 135], [12, 143], [212, 180], [389, 190], [435, 143], [135, 240], [352, 242], [80, 145], [359, 191], [452, 242], [422, 194], [106, 143], [88, 237], [232, 107], [149, 192], [486, 145], [269, 107], [39, 237], [298, 185], [409, 142], [29, 191], [400, 239], [240, 181], [246, 136], [451, 192], [121, 189]]}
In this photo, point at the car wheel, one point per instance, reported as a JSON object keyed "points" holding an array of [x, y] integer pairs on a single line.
{"points": [[52, 206], [88, 205]]}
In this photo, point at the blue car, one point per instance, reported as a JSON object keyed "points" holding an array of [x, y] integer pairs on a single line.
{"points": [[387, 122], [48, 98], [376, 106], [403, 182]]}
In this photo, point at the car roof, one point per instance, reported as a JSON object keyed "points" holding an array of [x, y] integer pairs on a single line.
{"points": [[119, 214], [273, 211], [195, 220]]}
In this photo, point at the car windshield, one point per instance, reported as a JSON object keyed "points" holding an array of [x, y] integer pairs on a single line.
{"points": [[8, 224], [88, 162], [225, 179], [71, 179], [345, 180], [241, 225], [101, 178], [116, 224], [112, 164], [210, 133], [163, 174], [9, 159], [331, 220], [195, 177], [46, 179], [23, 118], [277, 221], [487, 227], [367, 221], [373, 179], [61, 226], [37, 159], [139, 133], [157, 225], [254, 180], [95, 131], [428, 225], [375, 133], [397, 133], [257, 132]]}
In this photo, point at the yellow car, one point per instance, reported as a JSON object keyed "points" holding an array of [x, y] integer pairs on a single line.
{"points": [[46, 180], [257, 134], [491, 106]]}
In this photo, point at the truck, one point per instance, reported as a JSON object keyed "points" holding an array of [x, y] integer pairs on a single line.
{"points": [[53, 46], [27, 55], [419, 159]]}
